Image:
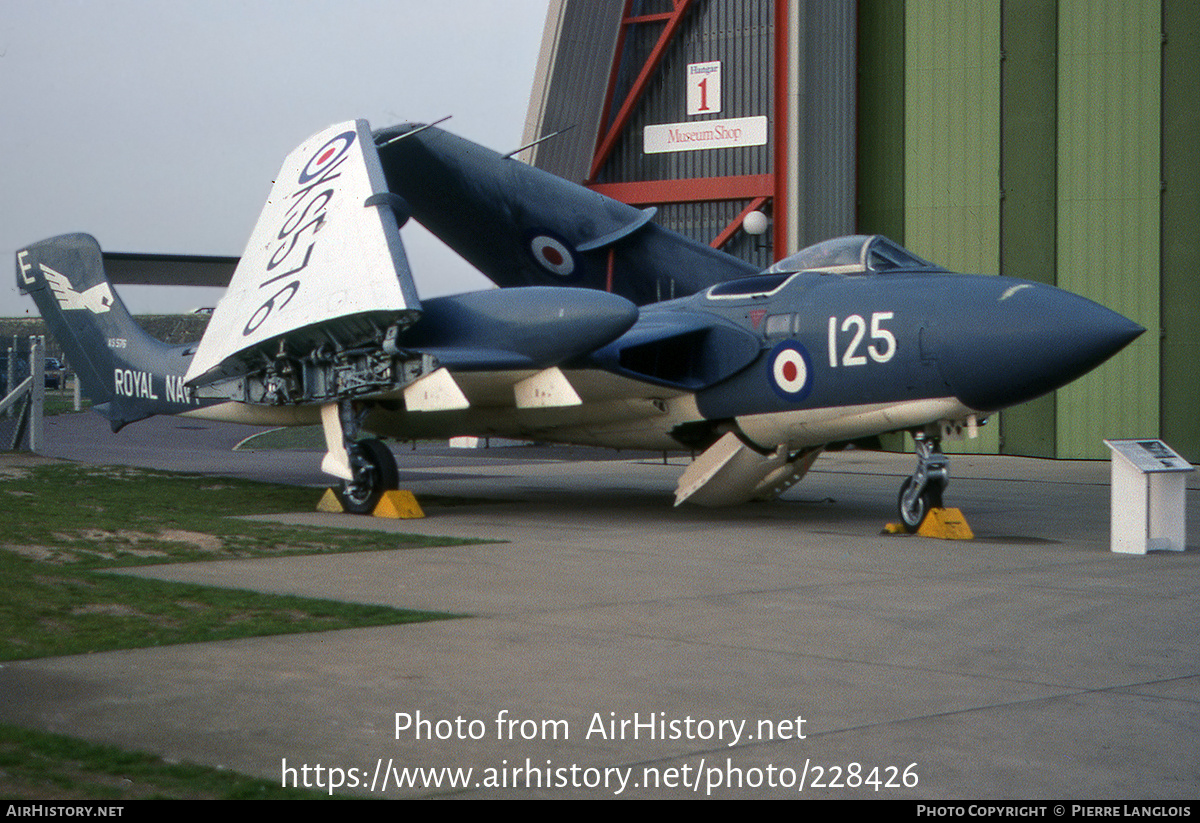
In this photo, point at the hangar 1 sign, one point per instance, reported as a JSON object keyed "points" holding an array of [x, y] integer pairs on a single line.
{"points": [[704, 97], [704, 88]]}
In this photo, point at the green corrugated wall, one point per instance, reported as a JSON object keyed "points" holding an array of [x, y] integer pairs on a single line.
{"points": [[1109, 92], [952, 142], [1041, 140], [1181, 219], [1029, 185]]}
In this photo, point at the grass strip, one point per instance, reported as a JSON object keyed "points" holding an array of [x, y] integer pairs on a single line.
{"points": [[47, 613], [290, 438], [41, 766], [69, 515], [68, 522]]}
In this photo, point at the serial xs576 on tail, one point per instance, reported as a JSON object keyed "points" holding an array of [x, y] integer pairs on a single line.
{"points": [[850, 338]]}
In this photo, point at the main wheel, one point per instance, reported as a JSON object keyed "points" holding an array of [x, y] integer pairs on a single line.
{"points": [[375, 473], [912, 512]]}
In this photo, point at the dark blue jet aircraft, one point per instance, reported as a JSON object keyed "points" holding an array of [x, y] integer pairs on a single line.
{"points": [[847, 339]]}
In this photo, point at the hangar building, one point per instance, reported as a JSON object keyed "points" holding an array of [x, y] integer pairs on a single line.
{"points": [[1053, 140]]}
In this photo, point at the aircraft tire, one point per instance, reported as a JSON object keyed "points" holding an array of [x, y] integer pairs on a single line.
{"points": [[912, 517], [379, 474]]}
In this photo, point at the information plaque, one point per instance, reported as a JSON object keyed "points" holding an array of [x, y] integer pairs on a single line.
{"points": [[1148, 496]]}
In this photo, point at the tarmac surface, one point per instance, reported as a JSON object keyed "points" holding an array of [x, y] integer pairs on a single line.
{"points": [[629, 640]]}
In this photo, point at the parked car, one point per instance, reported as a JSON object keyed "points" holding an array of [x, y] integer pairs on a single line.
{"points": [[53, 379], [54, 373]]}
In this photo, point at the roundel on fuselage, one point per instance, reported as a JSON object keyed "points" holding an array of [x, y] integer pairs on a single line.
{"points": [[790, 371], [551, 253]]}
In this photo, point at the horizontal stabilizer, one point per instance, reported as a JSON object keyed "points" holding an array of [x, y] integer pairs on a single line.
{"points": [[324, 262]]}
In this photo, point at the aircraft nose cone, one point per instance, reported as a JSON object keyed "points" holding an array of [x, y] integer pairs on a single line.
{"points": [[1021, 340]]}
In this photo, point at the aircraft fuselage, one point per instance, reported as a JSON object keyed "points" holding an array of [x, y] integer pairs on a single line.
{"points": [[810, 358]]}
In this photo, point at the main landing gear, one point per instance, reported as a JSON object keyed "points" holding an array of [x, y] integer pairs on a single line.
{"points": [[923, 491], [366, 467], [375, 472]]}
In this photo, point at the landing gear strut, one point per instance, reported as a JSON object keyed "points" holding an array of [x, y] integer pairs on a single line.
{"points": [[923, 491]]}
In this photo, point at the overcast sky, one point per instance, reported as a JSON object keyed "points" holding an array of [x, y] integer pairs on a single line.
{"points": [[158, 125]]}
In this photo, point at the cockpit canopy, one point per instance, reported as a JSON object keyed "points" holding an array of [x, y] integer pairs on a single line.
{"points": [[856, 254]]}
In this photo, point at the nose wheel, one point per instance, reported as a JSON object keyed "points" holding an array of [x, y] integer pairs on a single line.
{"points": [[375, 472], [923, 490]]}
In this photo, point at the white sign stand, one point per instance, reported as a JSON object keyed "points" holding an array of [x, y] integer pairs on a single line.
{"points": [[1148, 497]]}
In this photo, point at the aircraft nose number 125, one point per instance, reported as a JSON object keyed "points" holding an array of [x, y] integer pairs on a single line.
{"points": [[856, 326]]}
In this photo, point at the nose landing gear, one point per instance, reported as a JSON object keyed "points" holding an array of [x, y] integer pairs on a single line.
{"points": [[923, 490]]}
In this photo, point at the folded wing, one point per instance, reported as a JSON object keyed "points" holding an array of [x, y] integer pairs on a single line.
{"points": [[522, 226], [324, 263]]}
